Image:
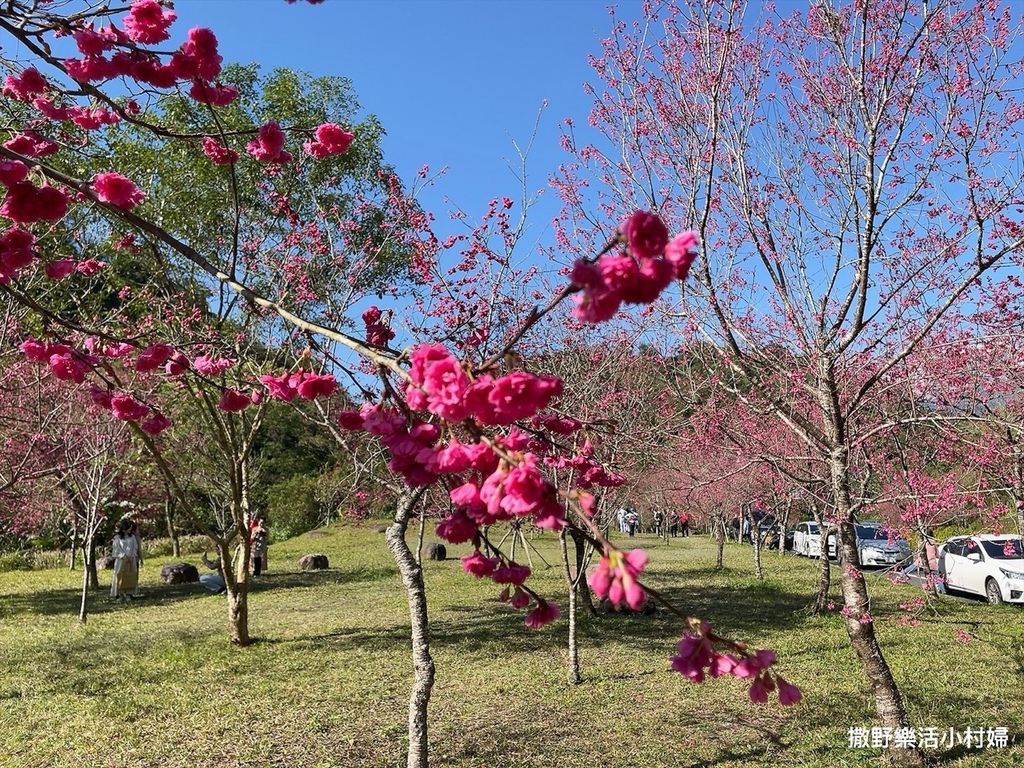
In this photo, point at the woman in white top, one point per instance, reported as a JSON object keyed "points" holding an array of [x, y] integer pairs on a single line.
{"points": [[125, 551]]}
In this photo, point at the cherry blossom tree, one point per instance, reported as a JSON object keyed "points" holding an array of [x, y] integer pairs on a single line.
{"points": [[844, 168]]}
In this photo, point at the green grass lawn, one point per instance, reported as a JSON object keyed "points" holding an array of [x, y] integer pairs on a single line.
{"points": [[155, 683]]}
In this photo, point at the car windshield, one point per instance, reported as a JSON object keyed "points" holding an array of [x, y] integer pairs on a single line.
{"points": [[1004, 549], [870, 532], [812, 527]]}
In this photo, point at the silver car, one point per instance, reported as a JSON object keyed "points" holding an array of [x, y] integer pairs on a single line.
{"points": [[874, 546]]}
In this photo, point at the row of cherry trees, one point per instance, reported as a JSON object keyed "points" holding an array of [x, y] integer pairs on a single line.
{"points": [[851, 172]]}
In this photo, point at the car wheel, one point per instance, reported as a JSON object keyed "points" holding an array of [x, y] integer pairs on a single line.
{"points": [[992, 592]]}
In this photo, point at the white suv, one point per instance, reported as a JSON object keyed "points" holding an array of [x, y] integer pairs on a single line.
{"points": [[985, 564]]}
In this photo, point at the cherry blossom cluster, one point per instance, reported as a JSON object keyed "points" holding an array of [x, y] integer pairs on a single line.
{"points": [[697, 658], [378, 332], [637, 277]]}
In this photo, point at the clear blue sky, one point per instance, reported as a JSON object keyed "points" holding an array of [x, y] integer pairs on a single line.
{"points": [[452, 81]]}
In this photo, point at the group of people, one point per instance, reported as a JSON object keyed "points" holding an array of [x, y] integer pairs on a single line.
{"points": [[126, 549], [259, 538], [678, 524]]}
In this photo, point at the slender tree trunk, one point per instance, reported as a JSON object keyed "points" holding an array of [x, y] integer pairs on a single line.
{"points": [[172, 531], [755, 542], [94, 577], [582, 588], [83, 612], [422, 663], [419, 537], [824, 566], [575, 678], [720, 530], [73, 559]]}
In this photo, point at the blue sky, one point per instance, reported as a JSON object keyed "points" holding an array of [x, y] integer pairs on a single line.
{"points": [[452, 81]]}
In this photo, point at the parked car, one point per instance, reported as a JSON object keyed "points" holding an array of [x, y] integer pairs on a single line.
{"points": [[985, 564], [807, 539], [874, 546]]}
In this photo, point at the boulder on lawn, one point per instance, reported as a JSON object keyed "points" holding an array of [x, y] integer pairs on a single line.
{"points": [[380, 528], [436, 551], [106, 563], [179, 573], [314, 562]]}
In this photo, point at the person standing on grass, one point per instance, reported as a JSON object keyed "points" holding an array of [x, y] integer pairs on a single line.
{"points": [[125, 550], [684, 523], [258, 538], [632, 521], [622, 519]]}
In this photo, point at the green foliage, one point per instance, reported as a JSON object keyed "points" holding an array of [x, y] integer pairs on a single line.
{"points": [[292, 506], [15, 561]]}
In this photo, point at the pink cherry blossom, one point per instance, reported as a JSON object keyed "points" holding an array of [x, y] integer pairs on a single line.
{"points": [[32, 144], [519, 599], [127, 408], [280, 388], [511, 573], [34, 351], [646, 234], [331, 139], [155, 424], [26, 86], [439, 375], [681, 253], [117, 190], [789, 694], [233, 401], [457, 528], [268, 146], [478, 565], [214, 95], [90, 267], [349, 420], [616, 576], [695, 655], [218, 153], [59, 269], [153, 357], [542, 615], [313, 386], [212, 366], [12, 172], [198, 56], [177, 364], [147, 22], [763, 685]]}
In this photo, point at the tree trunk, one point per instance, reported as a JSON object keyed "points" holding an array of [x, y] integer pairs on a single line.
{"points": [[720, 530], [575, 678], [755, 542], [83, 613], [172, 531], [582, 588], [73, 558], [422, 663], [94, 577], [235, 571], [860, 625], [825, 567]]}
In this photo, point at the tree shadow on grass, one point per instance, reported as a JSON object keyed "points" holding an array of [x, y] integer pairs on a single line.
{"points": [[67, 602], [493, 628]]}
